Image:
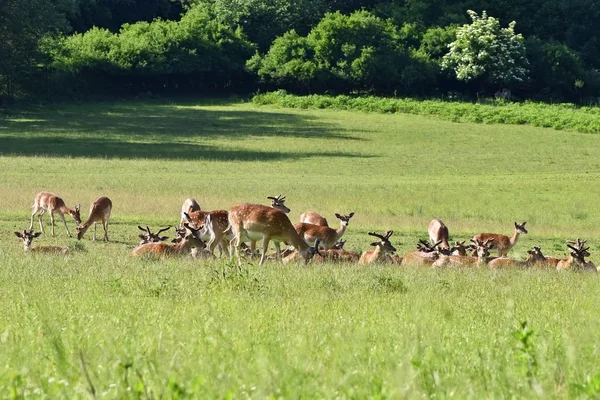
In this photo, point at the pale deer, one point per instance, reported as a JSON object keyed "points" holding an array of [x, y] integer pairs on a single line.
{"points": [[502, 243], [313, 218], [438, 232], [184, 246], [535, 257], [576, 260], [28, 236], [51, 203], [99, 212], [326, 235], [258, 222], [426, 254], [460, 261], [383, 247], [189, 205], [150, 237]]}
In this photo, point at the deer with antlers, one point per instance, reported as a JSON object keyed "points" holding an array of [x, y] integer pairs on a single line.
{"points": [[534, 257], [99, 212], [191, 238], [382, 248], [313, 218], [51, 203], [326, 235], [482, 258], [502, 243], [426, 254], [576, 260], [150, 237], [28, 236]]}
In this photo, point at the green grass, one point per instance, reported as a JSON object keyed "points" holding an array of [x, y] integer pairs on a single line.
{"points": [[169, 328]]}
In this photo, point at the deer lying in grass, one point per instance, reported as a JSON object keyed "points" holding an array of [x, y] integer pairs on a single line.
{"points": [[337, 254], [576, 260], [295, 255], [438, 232], [99, 212], [535, 257], [150, 237], [326, 235], [51, 203], [426, 254], [28, 236], [460, 261], [382, 248], [313, 218], [183, 246], [502, 243]]}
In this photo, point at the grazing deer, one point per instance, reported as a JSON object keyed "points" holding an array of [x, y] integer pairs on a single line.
{"points": [[326, 235], [28, 236], [460, 261], [256, 222], [189, 206], [502, 243], [313, 218], [184, 246], [49, 202], [438, 232], [535, 257], [150, 237], [426, 254], [99, 212], [382, 248]]}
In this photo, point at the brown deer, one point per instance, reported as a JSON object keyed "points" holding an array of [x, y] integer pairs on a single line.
{"points": [[502, 243], [426, 254], [438, 232], [150, 237], [337, 254], [460, 261], [181, 247], [189, 206], [28, 236], [313, 218], [295, 256], [382, 248], [258, 222], [576, 260], [326, 235], [535, 257], [99, 212], [49, 202]]}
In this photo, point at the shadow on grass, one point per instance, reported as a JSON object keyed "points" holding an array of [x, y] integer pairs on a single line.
{"points": [[145, 130]]}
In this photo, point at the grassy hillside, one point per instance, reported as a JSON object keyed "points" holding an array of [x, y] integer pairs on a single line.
{"points": [[156, 328]]}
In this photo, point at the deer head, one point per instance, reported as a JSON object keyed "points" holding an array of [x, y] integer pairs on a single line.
{"points": [[344, 218], [278, 203], [384, 242]]}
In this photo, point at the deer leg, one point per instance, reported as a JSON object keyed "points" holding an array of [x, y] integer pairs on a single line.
{"points": [[35, 210], [265, 246], [252, 248], [52, 221], [105, 224], [62, 216], [277, 252]]}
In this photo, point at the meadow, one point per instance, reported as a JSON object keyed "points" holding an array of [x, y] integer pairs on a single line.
{"points": [[100, 323]]}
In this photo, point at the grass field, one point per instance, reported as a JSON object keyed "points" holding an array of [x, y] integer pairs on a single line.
{"points": [[100, 321]]}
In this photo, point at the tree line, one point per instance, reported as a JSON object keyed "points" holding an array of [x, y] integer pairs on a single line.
{"points": [[543, 50]]}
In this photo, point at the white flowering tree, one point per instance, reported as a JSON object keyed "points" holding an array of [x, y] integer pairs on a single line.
{"points": [[485, 52]]}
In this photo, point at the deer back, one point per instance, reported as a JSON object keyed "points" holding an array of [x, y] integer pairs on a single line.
{"points": [[438, 231], [313, 218], [266, 221]]}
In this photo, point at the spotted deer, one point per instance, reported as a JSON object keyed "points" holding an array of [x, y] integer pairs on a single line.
{"points": [[382, 248], [502, 243], [51, 203], [28, 236], [313, 218], [438, 232], [326, 235], [99, 212], [184, 246]]}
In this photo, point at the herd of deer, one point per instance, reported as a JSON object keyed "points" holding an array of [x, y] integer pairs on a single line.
{"points": [[201, 232]]}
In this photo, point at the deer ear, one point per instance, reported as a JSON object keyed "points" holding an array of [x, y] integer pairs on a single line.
{"points": [[37, 234], [19, 234], [163, 238], [338, 216], [374, 243], [142, 237], [187, 217], [351, 215]]}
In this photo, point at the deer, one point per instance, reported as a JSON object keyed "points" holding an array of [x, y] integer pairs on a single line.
{"points": [[256, 221], [313, 218], [189, 205], [576, 260], [326, 235], [482, 258], [99, 212], [150, 237], [183, 246], [502, 243], [28, 236], [295, 255], [438, 232], [535, 257], [382, 248], [51, 203], [426, 254], [338, 254]]}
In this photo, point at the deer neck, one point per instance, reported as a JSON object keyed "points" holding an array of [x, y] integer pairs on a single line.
{"points": [[513, 239], [64, 209], [339, 232]]}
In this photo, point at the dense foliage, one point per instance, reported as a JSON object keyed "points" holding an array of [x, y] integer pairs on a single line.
{"points": [[410, 47]]}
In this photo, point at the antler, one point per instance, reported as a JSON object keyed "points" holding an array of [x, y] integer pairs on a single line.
{"points": [[377, 235], [163, 229], [278, 198]]}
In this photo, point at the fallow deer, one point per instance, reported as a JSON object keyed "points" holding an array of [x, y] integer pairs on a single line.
{"points": [[150, 237], [382, 248], [51, 203], [426, 254], [259, 222], [576, 260], [182, 247], [313, 218], [438, 232], [535, 257], [295, 256], [460, 261], [99, 212], [28, 236], [337, 254], [502, 243], [326, 235], [189, 206]]}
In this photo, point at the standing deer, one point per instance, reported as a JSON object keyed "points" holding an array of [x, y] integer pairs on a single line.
{"points": [[99, 212], [438, 232], [502, 243], [183, 246], [382, 248], [313, 218], [326, 235], [258, 222], [189, 205], [28, 236], [49, 202]]}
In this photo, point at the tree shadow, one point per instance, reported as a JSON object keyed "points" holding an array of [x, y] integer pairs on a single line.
{"points": [[147, 130]]}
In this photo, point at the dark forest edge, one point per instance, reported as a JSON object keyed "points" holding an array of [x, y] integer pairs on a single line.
{"points": [[90, 49]]}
